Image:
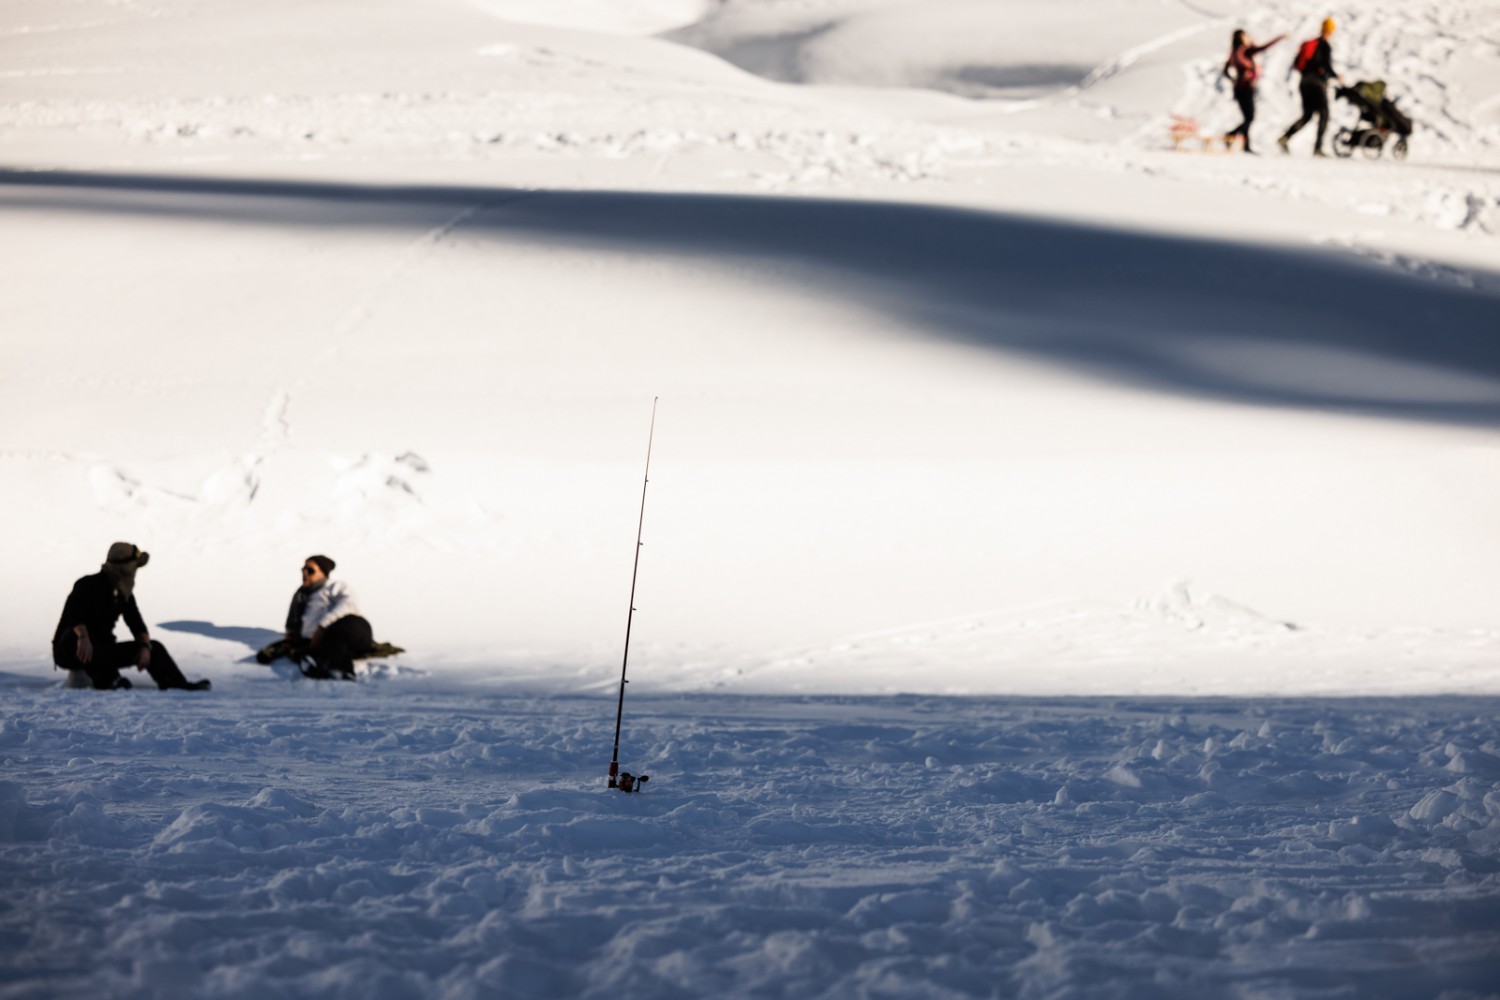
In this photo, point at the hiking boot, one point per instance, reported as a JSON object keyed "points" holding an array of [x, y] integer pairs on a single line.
{"points": [[1319, 152], [202, 685], [1282, 142], [122, 684]]}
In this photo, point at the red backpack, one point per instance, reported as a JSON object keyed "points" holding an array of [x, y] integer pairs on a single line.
{"points": [[1305, 54]]}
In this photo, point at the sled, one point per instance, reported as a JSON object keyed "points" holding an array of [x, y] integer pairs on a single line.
{"points": [[1187, 137], [282, 648]]}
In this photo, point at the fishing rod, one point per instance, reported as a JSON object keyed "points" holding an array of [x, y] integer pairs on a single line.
{"points": [[628, 782]]}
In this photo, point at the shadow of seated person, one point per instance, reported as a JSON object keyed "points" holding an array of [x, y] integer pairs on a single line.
{"points": [[250, 636]]}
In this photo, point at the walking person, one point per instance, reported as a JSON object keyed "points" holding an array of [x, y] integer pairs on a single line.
{"points": [[85, 636], [324, 625], [1244, 71], [1315, 62]]}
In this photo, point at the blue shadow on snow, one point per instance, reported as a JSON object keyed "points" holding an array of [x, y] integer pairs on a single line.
{"points": [[255, 638], [1243, 323]]}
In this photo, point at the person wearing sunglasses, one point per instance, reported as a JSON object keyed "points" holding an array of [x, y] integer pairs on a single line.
{"points": [[85, 637], [324, 626]]}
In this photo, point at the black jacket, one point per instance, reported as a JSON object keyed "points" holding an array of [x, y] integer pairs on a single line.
{"points": [[95, 603], [1320, 66]]}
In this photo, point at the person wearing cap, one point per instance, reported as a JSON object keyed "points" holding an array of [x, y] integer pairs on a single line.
{"points": [[324, 625], [85, 637], [1317, 70]]}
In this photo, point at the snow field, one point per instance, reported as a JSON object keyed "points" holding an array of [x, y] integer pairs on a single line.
{"points": [[830, 371], [336, 841], [968, 395]]}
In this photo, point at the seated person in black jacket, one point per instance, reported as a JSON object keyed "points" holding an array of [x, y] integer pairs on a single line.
{"points": [[85, 636]]}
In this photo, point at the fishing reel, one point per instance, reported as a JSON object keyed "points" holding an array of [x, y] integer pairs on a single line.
{"points": [[625, 781]]}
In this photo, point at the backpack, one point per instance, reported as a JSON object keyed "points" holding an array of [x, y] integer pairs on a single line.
{"points": [[1305, 54]]}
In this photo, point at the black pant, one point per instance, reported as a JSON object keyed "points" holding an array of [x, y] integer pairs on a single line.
{"points": [[1245, 98], [340, 643], [1314, 102], [109, 657]]}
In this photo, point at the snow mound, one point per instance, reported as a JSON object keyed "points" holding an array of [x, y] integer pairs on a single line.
{"points": [[1014, 50], [1210, 612], [624, 17]]}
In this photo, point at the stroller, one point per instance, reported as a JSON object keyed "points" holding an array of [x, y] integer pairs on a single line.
{"points": [[1378, 118]]}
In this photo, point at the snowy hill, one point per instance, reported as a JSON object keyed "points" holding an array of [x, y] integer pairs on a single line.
{"points": [[1069, 563]]}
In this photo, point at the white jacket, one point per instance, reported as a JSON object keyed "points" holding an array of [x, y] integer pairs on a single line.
{"points": [[326, 605]]}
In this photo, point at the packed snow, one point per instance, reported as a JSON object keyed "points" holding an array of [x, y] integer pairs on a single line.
{"points": [[1069, 562], [389, 840]]}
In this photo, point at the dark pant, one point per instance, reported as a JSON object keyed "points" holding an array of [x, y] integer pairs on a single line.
{"points": [[341, 642], [1314, 102], [109, 657], [1245, 98]]}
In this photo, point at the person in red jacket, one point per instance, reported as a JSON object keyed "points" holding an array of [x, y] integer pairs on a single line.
{"points": [[1244, 71], [1315, 61]]}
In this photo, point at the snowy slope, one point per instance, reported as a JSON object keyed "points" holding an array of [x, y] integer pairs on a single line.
{"points": [[1069, 564], [1067, 463]]}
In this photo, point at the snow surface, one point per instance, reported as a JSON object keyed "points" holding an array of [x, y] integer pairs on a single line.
{"points": [[1070, 564], [379, 840]]}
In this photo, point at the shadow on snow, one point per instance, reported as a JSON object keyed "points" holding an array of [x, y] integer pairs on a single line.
{"points": [[255, 638], [1212, 319]]}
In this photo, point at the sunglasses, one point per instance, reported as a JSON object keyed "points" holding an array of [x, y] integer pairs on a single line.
{"points": [[308, 570]]}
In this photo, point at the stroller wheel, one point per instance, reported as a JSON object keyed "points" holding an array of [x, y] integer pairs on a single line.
{"points": [[1398, 150], [1343, 143], [1372, 145]]}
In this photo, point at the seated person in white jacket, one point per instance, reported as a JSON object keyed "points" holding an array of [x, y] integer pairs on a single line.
{"points": [[325, 623]]}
